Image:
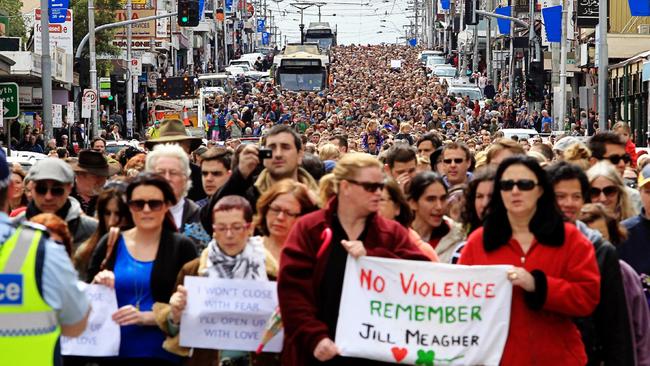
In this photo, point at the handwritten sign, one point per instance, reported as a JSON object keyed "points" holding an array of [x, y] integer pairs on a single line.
{"points": [[423, 313], [102, 335], [228, 314]]}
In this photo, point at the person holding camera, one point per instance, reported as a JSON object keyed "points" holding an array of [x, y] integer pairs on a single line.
{"points": [[258, 169]]}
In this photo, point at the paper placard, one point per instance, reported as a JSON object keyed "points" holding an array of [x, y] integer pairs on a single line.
{"points": [[423, 313], [395, 64], [228, 314], [102, 335]]}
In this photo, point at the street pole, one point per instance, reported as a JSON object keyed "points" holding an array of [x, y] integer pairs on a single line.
{"points": [[46, 70], [603, 72], [511, 68], [563, 57], [488, 43], [216, 36], [94, 123], [475, 50], [129, 80], [302, 7]]}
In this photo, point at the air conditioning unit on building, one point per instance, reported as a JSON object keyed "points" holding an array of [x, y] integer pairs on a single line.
{"points": [[644, 29]]}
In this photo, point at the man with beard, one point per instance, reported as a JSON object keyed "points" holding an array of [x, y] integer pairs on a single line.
{"points": [[91, 171], [284, 163]]}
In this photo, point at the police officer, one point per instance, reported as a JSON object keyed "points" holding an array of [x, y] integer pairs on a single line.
{"points": [[39, 298]]}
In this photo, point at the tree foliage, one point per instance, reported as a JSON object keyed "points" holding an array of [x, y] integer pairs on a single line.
{"points": [[11, 9], [105, 12]]}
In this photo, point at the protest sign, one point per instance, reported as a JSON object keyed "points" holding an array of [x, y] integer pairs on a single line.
{"points": [[395, 64], [423, 313], [228, 314], [102, 335]]}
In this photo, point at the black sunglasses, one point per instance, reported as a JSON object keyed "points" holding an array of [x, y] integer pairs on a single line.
{"points": [[368, 186], [456, 160], [42, 188], [138, 205], [609, 191], [615, 159], [522, 184]]}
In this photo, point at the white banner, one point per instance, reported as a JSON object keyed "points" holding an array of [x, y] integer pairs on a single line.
{"points": [[57, 115], [395, 64], [69, 114], [102, 335], [228, 314], [423, 313]]}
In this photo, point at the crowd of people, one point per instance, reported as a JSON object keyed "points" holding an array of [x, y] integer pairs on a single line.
{"points": [[385, 163]]}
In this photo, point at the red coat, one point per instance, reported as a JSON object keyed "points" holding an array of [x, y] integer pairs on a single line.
{"points": [[546, 336], [302, 268]]}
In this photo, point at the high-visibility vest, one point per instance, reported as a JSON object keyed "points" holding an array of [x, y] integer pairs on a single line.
{"points": [[29, 328]]}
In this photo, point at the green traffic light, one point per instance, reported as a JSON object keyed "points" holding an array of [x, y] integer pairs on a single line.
{"points": [[110, 97], [184, 19]]}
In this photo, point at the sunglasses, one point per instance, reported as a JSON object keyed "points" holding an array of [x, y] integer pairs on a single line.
{"points": [[368, 186], [615, 159], [522, 184], [456, 160], [42, 189], [609, 191], [215, 173], [138, 205]]}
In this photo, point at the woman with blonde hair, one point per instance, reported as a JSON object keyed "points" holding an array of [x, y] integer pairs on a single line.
{"points": [[578, 154], [329, 152], [608, 188], [313, 260]]}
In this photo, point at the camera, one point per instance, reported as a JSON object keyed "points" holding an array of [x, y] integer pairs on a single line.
{"points": [[265, 154]]}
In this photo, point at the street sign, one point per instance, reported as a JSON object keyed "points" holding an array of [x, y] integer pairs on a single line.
{"points": [[9, 94], [136, 67], [260, 25], [91, 96], [151, 79], [265, 38], [58, 10]]}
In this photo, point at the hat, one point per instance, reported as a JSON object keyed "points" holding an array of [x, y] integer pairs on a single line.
{"points": [[644, 176], [173, 130], [93, 162], [564, 143], [53, 169]]}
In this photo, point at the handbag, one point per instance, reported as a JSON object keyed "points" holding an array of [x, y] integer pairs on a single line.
{"points": [[113, 234]]}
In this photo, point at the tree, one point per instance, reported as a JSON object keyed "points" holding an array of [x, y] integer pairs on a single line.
{"points": [[15, 22], [105, 12]]}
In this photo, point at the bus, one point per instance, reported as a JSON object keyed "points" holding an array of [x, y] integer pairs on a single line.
{"points": [[301, 71], [321, 33]]}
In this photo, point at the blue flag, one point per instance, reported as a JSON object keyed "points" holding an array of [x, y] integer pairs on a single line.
{"points": [[504, 24], [260, 25], [553, 23], [265, 38], [639, 8], [413, 42], [445, 4]]}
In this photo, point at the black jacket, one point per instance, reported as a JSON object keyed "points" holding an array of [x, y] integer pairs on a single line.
{"points": [[606, 333], [174, 251], [196, 193]]}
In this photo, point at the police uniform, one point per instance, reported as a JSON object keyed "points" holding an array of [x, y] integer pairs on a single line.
{"points": [[38, 292]]}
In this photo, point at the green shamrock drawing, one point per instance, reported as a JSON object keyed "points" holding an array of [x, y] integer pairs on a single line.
{"points": [[425, 358]]}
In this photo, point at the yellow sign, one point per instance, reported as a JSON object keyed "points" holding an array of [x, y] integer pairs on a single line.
{"points": [[145, 29]]}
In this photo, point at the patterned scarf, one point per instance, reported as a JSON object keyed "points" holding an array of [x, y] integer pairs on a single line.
{"points": [[247, 265]]}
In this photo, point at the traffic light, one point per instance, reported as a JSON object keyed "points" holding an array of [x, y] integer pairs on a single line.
{"points": [[188, 13], [535, 81], [471, 18]]}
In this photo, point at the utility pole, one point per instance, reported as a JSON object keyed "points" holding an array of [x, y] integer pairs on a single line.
{"points": [[563, 56], [417, 13], [216, 36], [511, 71], [301, 7], [319, 5], [488, 43], [46, 69], [129, 80], [603, 61], [94, 121]]}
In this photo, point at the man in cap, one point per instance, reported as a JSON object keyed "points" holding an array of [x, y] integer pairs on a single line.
{"points": [[51, 184], [91, 171], [173, 131], [635, 249], [40, 299]]}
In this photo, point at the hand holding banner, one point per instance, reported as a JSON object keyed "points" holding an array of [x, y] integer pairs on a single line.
{"points": [[423, 313]]}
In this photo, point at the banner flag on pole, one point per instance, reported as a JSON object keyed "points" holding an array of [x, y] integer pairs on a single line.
{"points": [[553, 23], [639, 8], [504, 24], [445, 4]]}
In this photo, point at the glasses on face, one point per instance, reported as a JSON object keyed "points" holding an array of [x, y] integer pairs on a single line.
{"points": [[615, 159], [609, 191], [456, 160], [368, 186], [215, 173], [43, 188], [138, 205], [522, 184], [234, 228], [172, 173], [276, 211]]}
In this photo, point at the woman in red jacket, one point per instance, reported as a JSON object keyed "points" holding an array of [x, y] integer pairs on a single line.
{"points": [[555, 273], [313, 260]]}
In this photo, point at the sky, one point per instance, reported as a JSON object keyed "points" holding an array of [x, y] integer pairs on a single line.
{"points": [[358, 21]]}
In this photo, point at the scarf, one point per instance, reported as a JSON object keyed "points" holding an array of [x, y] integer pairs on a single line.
{"points": [[247, 265]]}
